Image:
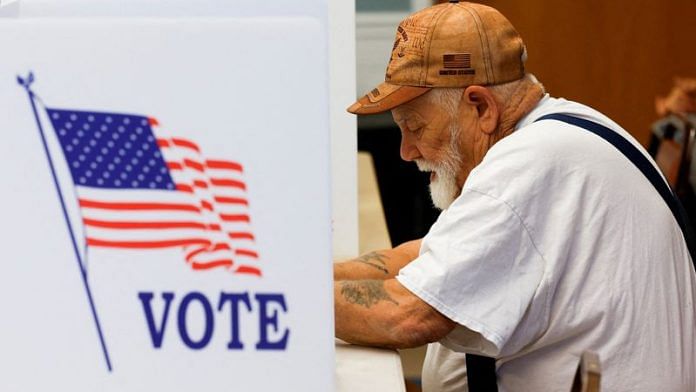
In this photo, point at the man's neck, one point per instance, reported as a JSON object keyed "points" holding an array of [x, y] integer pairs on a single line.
{"points": [[522, 101]]}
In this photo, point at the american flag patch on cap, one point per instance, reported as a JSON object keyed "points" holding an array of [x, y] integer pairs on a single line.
{"points": [[456, 60]]}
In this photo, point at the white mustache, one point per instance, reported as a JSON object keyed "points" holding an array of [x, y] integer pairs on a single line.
{"points": [[426, 166]]}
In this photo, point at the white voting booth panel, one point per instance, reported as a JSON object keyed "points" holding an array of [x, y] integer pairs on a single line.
{"points": [[193, 256], [337, 18], [171, 8]]}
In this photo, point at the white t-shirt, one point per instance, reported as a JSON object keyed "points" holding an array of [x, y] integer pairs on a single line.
{"points": [[558, 244]]}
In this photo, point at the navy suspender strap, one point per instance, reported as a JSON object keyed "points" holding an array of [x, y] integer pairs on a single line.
{"points": [[642, 163], [480, 373], [481, 370]]}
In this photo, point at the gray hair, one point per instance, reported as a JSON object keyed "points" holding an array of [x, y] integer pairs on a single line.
{"points": [[449, 98], [503, 92]]}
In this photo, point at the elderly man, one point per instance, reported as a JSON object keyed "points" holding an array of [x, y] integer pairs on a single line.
{"points": [[551, 240]]}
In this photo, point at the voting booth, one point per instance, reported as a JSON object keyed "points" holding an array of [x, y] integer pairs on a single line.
{"points": [[167, 206]]}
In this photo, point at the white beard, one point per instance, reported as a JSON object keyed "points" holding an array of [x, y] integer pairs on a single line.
{"points": [[443, 189]]}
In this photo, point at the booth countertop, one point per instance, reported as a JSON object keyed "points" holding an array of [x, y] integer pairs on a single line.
{"points": [[366, 369]]}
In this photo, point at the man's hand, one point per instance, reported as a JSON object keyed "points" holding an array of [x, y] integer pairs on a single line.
{"points": [[384, 313], [383, 264]]}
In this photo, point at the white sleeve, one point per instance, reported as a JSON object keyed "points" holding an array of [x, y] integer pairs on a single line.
{"points": [[479, 267]]}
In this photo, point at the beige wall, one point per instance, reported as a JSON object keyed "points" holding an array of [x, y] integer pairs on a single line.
{"points": [[613, 55]]}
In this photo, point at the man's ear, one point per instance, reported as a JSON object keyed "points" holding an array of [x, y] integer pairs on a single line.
{"points": [[486, 107]]}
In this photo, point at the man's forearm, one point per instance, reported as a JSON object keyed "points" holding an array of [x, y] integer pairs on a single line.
{"points": [[384, 313], [382, 264]]}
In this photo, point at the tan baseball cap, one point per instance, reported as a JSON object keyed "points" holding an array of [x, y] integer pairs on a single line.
{"points": [[455, 44]]}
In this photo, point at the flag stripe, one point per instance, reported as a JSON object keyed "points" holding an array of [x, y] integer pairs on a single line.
{"points": [[215, 164], [200, 184], [241, 236], [231, 200], [147, 244], [216, 247], [184, 188], [194, 165], [137, 206], [234, 218], [148, 225], [247, 269], [246, 252], [211, 264], [186, 144], [228, 183]]}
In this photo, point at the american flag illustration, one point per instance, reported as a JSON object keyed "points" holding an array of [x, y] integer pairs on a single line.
{"points": [[138, 188], [456, 60]]}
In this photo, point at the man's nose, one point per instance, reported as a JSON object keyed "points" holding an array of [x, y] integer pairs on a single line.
{"points": [[408, 149]]}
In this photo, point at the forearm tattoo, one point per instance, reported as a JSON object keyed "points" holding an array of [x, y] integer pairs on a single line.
{"points": [[365, 292], [374, 259]]}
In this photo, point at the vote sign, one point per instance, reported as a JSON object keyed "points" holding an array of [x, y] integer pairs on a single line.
{"points": [[167, 205]]}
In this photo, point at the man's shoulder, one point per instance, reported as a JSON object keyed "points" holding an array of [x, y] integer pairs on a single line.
{"points": [[537, 143], [550, 154]]}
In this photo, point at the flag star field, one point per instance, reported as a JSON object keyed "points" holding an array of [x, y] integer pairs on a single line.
{"points": [[111, 150]]}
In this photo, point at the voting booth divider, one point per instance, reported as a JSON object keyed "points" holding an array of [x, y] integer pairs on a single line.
{"points": [[166, 214]]}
